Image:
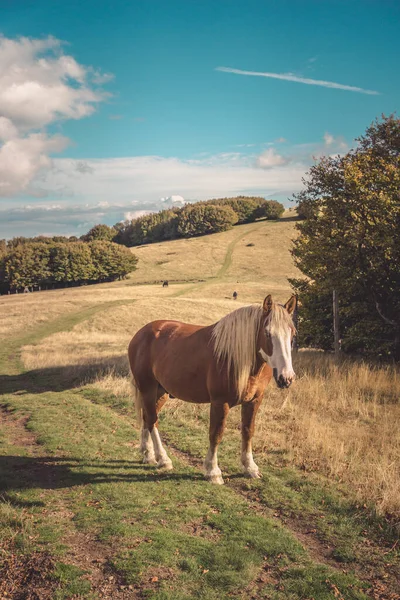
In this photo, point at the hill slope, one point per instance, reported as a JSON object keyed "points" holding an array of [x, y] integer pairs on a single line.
{"points": [[252, 259]]}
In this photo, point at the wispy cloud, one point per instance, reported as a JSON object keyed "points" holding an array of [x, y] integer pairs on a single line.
{"points": [[296, 79]]}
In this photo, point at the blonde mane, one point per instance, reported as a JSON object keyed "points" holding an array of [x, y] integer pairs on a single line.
{"points": [[235, 338]]}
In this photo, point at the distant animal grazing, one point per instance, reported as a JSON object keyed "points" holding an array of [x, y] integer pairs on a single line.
{"points": [[234, 295], [224, 364], [165, 283]]}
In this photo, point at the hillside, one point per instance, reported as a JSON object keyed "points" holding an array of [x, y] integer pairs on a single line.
{"points": [[252, 259], [80, 513]]}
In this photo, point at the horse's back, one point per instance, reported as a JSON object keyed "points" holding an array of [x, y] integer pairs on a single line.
{"points": [[172, 353], [157, 337]]}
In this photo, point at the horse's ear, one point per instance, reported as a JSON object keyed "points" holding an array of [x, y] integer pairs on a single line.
{"points": [[267, 306], [291, 304]]}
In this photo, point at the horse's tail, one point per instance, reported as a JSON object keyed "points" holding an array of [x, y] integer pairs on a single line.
{"points": [[137, 397]]}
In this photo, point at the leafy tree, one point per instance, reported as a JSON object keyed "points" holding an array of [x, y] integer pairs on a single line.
{"points": [[100, 232], [17, 241], [111, 261], [200, 219], [27, 265], [250, 208], [350, 239], [269, 209]]}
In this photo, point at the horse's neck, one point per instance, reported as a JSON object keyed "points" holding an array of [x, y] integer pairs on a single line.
{"points": [[260, 364]]}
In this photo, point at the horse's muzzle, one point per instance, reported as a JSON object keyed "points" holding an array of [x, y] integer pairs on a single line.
{"points": [[281, 381]]}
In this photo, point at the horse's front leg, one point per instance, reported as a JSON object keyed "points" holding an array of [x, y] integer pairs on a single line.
{"points": [[152, 448], [218, 414], [249, 411]]}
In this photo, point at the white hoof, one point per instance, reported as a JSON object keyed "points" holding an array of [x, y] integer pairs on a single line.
{"points": [[149, 460], [166, 464], [253, 473], [216, 479]]}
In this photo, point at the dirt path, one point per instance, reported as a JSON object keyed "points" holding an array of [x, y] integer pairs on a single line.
{"points": [[223, 270]]}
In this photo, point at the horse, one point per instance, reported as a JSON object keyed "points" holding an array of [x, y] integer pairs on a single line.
{"points": [[225, 364], [235, 295], [165, 283]]}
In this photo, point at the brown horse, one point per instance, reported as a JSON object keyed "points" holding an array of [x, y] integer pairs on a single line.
{"points": [[224, 364]]}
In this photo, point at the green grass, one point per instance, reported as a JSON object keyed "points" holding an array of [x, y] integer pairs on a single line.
{"points": [[85, 466]]}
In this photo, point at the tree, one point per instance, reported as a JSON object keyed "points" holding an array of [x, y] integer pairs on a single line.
{"points": [[350, 239], [250, 208], [27, 265], [201, 219], [111, 261], [100, 232], [269, 209]]}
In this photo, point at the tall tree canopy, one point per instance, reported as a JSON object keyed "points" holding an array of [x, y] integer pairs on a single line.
{"points": [[350, 241]]}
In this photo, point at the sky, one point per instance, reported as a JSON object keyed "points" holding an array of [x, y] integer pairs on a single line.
{"points": [[111, 109]]}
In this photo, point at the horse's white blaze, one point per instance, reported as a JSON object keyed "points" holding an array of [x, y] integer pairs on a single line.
{"points": [[163, 460], [281, 358]]}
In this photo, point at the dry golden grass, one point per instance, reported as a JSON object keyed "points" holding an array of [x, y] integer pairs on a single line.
{"points": [[340, 420], [224, 255]]}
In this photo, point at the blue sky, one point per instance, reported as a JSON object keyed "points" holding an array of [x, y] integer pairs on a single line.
{"points": [[109, 109]]}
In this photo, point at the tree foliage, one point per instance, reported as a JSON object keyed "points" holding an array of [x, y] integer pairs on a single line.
{"points": [[57, 263], [100, 232], [350, 240], [201, 219], [195, 219]]}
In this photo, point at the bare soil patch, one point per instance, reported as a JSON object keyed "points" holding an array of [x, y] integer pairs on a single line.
{"points": [[28, 577], [17, 430], [89, 554]]}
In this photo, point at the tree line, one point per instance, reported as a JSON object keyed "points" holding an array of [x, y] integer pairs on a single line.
{"points": [[100, 255], [199, 218], [349, 241], [43, 262]]}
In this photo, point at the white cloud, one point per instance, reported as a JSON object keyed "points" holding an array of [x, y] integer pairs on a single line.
{"points": [[23, 158], [8, 130], [174, 200], [39, 85], [270, 158], [295, 78], [329, 139], [147, 178], [83, 167], [134, 214], [84, 193], [335, 145]]}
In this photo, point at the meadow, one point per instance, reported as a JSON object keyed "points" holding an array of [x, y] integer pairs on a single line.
{"points": [[81, 517]]}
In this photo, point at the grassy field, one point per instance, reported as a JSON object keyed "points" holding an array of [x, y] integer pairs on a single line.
{"points": [[81, 517]]}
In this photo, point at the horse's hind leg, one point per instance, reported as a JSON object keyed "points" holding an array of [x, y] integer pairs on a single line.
{"points": [[150, 433]]}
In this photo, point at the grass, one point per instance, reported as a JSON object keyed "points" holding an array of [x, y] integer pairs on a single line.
{"points": [[73, 486]]}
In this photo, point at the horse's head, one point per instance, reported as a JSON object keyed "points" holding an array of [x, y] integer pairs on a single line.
{"points": [[276, 339]]}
